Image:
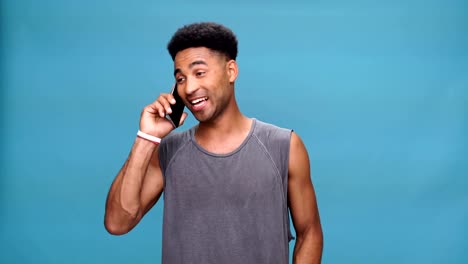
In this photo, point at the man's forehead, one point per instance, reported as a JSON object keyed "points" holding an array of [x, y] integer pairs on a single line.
{"points": [[193, 53], [188, 58], [196, 56]]}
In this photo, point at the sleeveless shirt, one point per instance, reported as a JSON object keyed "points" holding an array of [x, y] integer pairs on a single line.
{"points": [[229, 208]]}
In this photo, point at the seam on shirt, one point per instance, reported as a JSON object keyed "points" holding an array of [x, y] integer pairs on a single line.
{"points": [[169, 163], [267, 153], [174, 155], [286, 217]]}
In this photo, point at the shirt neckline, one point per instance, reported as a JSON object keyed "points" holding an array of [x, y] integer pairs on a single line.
{"points": [[192, 138]]}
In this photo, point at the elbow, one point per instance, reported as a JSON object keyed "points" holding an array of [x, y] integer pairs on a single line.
{"points": [[118, 221], [312, 233], [115, 227], [309, 246]]}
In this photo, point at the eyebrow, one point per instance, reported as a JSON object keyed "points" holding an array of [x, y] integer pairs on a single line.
{"points": [[197, 62]]}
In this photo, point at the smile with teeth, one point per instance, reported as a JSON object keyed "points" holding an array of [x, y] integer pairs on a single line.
{"points": [[199, 100]]}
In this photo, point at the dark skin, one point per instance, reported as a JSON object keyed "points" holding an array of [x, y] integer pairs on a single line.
{"points": [[205, 81]]}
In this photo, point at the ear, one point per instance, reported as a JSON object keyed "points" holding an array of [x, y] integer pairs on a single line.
{"points": [[232, 70]]}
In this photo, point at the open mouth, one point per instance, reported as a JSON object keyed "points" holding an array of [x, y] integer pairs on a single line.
{"points": [[199, 101]]}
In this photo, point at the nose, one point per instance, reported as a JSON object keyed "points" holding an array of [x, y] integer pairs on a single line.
{"points": [[190, 86]]}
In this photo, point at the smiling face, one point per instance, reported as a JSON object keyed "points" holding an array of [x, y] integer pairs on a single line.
{"points": [[205, 82]]}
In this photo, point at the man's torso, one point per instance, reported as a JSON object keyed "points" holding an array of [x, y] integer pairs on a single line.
{"points": [[229, 208]]}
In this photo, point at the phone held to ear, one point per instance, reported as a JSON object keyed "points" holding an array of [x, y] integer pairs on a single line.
{"points": [[177, 108]]}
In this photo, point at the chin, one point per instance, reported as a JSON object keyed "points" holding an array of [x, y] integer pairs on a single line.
{"points": [[203, 118], [200, 117]]}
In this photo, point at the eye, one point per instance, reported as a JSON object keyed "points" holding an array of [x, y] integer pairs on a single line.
{"points": [[180, 79], [200, 73]]}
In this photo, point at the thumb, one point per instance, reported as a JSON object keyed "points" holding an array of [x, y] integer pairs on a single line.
{"points": [[182, 118]]}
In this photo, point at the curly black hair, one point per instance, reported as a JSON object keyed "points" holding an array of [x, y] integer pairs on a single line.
{"points": [[205, 34]]}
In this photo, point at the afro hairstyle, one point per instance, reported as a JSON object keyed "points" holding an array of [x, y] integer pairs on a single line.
{"points": [[211, 35]]}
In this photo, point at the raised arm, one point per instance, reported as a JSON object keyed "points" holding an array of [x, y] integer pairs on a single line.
{"points": [[139, 184], [303, 206]]}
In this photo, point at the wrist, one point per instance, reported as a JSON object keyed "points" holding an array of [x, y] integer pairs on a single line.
{"points": [[153, 139]]}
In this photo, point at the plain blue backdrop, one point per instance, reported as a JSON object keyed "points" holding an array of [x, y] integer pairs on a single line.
{"points": [[378, 90]]}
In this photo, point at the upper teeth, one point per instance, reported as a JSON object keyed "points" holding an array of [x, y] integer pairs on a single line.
{"points": [[196, 101]]}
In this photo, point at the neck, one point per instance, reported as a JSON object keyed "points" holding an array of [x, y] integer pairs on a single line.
{"points": [[232, 121], [226, 132]]}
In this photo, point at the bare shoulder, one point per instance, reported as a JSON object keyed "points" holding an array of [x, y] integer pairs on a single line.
{"points": [[298, 156]]}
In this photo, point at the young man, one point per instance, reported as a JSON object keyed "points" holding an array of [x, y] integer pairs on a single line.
{"points": [[229, 182]]}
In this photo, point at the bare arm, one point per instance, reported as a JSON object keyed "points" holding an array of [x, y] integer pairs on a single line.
{"points": [[303, 206], [135, 190], [139, 184]]}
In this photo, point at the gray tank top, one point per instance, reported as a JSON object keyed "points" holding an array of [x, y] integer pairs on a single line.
{"points": [[229, 208]]}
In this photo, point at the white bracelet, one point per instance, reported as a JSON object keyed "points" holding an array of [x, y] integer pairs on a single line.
{"points": [[151, 138]]}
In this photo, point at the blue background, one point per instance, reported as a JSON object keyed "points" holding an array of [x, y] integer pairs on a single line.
{"points": [[378, 90]]}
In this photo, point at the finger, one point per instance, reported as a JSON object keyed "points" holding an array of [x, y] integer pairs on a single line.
{"points": [[159, 108], [164, 100], [171, 99], [152, 109], [182, 118]]}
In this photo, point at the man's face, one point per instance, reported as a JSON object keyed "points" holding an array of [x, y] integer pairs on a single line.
{"points": [[205, 82]]}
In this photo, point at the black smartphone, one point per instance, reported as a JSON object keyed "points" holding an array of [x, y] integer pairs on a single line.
{"points": [[177, 108]]}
